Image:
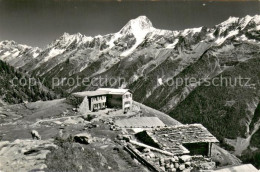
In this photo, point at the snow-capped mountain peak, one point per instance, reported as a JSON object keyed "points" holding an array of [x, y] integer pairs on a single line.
{"points": [[141, 23], [139, 27], [66, 39], [17, 54], [242, 22], [229, 21], [11, 44]]}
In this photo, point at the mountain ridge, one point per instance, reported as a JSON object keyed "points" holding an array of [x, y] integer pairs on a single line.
{"points": [[148, 58]]}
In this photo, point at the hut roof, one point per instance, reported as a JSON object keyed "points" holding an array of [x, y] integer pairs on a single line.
{"points": [[140, 122], [90, 93], [190, 133], [173, 138], [114, 90]]}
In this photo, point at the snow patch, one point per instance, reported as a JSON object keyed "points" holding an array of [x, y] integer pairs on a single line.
{"points": [[7, 53], [256, 19], [193, 30], [52, 53], [243, 38], [160, 82], [220, 40], [35, 54], [229, 21], [114, 37], [245, 21], [83, 67], [15, 54], [211, 36], [170, 46], [24, 46]]}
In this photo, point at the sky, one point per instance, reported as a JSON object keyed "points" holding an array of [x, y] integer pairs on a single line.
{"points": [[39, 22]]}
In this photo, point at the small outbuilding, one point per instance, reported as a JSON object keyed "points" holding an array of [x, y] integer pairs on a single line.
{"points": [[195, 138]]}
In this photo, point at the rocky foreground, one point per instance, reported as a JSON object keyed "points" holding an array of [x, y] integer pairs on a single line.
{"points": [[73, 141]]}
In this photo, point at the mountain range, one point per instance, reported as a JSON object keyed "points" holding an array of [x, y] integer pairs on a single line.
{"points": [[178, 72]]}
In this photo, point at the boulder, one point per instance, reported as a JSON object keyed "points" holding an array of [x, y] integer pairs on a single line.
{"points": [[127, 138], [172, 170], [182, 167], [161, 161], [152, 155], [167, 160], [167, 166], [119, 137], [146, 150], [173, 160], [148, 157], [162, 168], [187, 164], [35, 135], [84, 138], [207, 165], [171, 165], [176, 165], [185, 158]]}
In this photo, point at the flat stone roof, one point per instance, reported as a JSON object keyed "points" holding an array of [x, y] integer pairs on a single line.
{"points": [[101, 91], [190, 133], [90, 93], [114, 90], [140, 122]]}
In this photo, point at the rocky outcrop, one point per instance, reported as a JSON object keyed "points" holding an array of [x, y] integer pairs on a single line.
{"points": [[84, 138], [24, 155]]}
